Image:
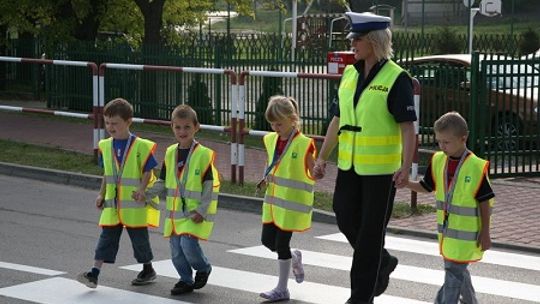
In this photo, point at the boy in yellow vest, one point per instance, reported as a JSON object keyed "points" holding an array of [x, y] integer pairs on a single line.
{"points": [[464, 199], [128, 163], [288, 200], [192, 185]]}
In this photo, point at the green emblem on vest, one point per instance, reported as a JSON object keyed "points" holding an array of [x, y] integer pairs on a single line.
{"points": [[467, 179], [197, 171], [294, 155]]}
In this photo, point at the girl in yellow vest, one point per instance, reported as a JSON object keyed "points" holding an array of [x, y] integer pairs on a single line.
{"points": [[128, 163], [191, 183], [288, 199], [464, 199]]}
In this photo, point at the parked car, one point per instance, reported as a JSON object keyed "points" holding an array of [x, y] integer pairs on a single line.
{"points": [[507, 94]]}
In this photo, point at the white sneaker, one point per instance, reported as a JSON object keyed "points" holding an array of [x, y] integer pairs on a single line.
{"points": [[297, 267]]}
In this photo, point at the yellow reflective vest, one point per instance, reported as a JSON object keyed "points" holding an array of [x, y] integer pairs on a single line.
{"points": [[288, 201], [119, 207], [459, 234], [369, 138], [179, 210]]}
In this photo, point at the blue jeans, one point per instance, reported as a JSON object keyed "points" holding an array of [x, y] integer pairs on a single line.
{"points": [[187, 255], [109, 241], [457, 281]]}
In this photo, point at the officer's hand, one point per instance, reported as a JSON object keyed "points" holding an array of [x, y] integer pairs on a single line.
{"points": [[484, 240], [401, 177], [319, 170]]}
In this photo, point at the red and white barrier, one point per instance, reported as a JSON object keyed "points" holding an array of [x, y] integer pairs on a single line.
{"points": [[242, 131], [194, 70], [95, 98]]}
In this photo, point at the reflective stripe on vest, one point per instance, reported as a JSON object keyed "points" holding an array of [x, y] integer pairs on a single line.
{"points": [[458, 238], [288, 201], [119, 207], [370, 138], [180, 210]]}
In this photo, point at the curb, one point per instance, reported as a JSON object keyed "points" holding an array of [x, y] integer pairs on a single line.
{"points": [[228, 201]]}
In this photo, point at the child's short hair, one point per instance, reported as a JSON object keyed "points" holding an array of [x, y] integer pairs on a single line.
{"points": [[184, 111], [118, 107], [453, 122], [281, 107]]}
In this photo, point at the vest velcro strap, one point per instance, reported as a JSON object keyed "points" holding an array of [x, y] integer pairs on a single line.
{"points": [[109, 179], [289, 205], [285, 182], [350, 128], [459, 210], [458, 234], [124, 204]]}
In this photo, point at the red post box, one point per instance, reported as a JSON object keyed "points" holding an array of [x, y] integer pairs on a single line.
{"points": [[338, 60]]}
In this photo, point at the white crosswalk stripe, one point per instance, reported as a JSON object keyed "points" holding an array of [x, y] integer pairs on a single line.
{"points": [[431, 248], [510, 289], [256, 282], [64, 291], [45, 291]]}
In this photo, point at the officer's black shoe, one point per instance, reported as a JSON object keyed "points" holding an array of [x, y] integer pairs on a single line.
{"points": [[201, 278], [145, 277], [384, 276], [181, 288]]}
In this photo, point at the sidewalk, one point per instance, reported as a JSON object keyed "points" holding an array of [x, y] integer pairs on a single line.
{"points": [[516, 216]]}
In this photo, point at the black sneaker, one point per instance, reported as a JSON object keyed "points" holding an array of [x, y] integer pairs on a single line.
{"points": [[87, 279], [384, 276], [201, 278], [181, 288], [144, 277]]}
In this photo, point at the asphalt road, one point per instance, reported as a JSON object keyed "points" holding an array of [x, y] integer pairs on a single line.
{"points": [[53, 227]]}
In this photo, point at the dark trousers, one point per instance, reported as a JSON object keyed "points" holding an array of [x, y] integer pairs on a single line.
{"points": [[363, 206], [109, 241], [277, 240]]}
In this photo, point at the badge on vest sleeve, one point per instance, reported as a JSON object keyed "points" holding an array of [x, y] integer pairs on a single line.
{"points": [[197, 171], [294, 155], [467, 179]]}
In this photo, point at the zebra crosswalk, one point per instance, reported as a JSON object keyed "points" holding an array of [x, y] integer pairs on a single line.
{"points": [[500, 289]]}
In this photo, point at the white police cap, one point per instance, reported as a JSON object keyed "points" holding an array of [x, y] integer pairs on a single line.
{"points": [[363, 23]]}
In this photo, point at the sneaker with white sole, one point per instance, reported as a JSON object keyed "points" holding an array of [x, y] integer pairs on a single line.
{"points": [[297, 266], [275, 295], [87, 279]]}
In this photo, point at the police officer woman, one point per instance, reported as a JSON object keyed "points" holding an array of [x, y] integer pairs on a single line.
{"points": [[374, 128]]}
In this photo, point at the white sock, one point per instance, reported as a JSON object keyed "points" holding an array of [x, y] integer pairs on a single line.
{"points": [[284, 271]]}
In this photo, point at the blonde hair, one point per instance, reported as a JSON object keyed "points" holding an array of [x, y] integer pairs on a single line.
{"points": [[451, 122], [282, 107], [184, 111], [118, 107], [381, 42]]}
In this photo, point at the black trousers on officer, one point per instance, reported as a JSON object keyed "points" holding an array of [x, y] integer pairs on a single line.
{"points": [[363, 206]]}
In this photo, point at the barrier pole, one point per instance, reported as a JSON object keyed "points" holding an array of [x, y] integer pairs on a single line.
{"points": [[414, 168]]}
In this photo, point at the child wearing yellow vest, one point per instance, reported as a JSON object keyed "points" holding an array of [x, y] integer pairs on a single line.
{"points": [[128, 163], [288, 200], [464, 200], [191, 183]]}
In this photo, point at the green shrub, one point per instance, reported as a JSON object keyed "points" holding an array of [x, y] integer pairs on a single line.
{"points": [[446, 41], [529, 42]]}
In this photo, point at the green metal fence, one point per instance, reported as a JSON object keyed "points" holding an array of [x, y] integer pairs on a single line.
{"points": [[505, 133]]}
